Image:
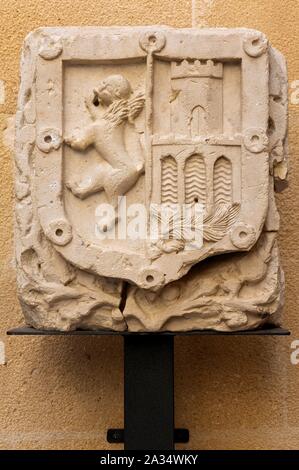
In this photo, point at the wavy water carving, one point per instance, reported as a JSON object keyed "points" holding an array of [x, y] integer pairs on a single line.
{"points": [[169, 193], [222, 181], [195, 180]]}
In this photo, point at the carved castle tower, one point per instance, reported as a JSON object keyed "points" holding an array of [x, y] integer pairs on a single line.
{"points": [[196, 107]]}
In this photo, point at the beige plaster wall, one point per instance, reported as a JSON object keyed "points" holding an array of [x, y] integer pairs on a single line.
{"points": [[232, 393]]}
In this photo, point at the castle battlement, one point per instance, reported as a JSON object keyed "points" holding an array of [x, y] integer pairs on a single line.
{"points": [[196, 68]]}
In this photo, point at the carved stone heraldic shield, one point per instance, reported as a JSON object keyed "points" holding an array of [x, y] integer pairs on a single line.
{"points": [[162, 118]]}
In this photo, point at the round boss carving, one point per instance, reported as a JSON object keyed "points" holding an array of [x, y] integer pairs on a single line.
{"points": [[59, 232], [242, 236], [151, 278], [50, 48], [49, 139], [255, 45], [152, 41], [255, 140]]}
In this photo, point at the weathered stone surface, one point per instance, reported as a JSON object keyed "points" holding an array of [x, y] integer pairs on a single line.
{"points": [[225, 293], [160, 116]]}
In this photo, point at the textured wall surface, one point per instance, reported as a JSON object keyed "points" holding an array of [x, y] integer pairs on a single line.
{"points": [[232, 393]]}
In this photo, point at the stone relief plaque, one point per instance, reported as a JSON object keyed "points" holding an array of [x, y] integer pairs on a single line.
{"points": [[112, 122]]}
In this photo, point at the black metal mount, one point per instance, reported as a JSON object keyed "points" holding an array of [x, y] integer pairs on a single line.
{"points": [[149, 383], [117, 436]]}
